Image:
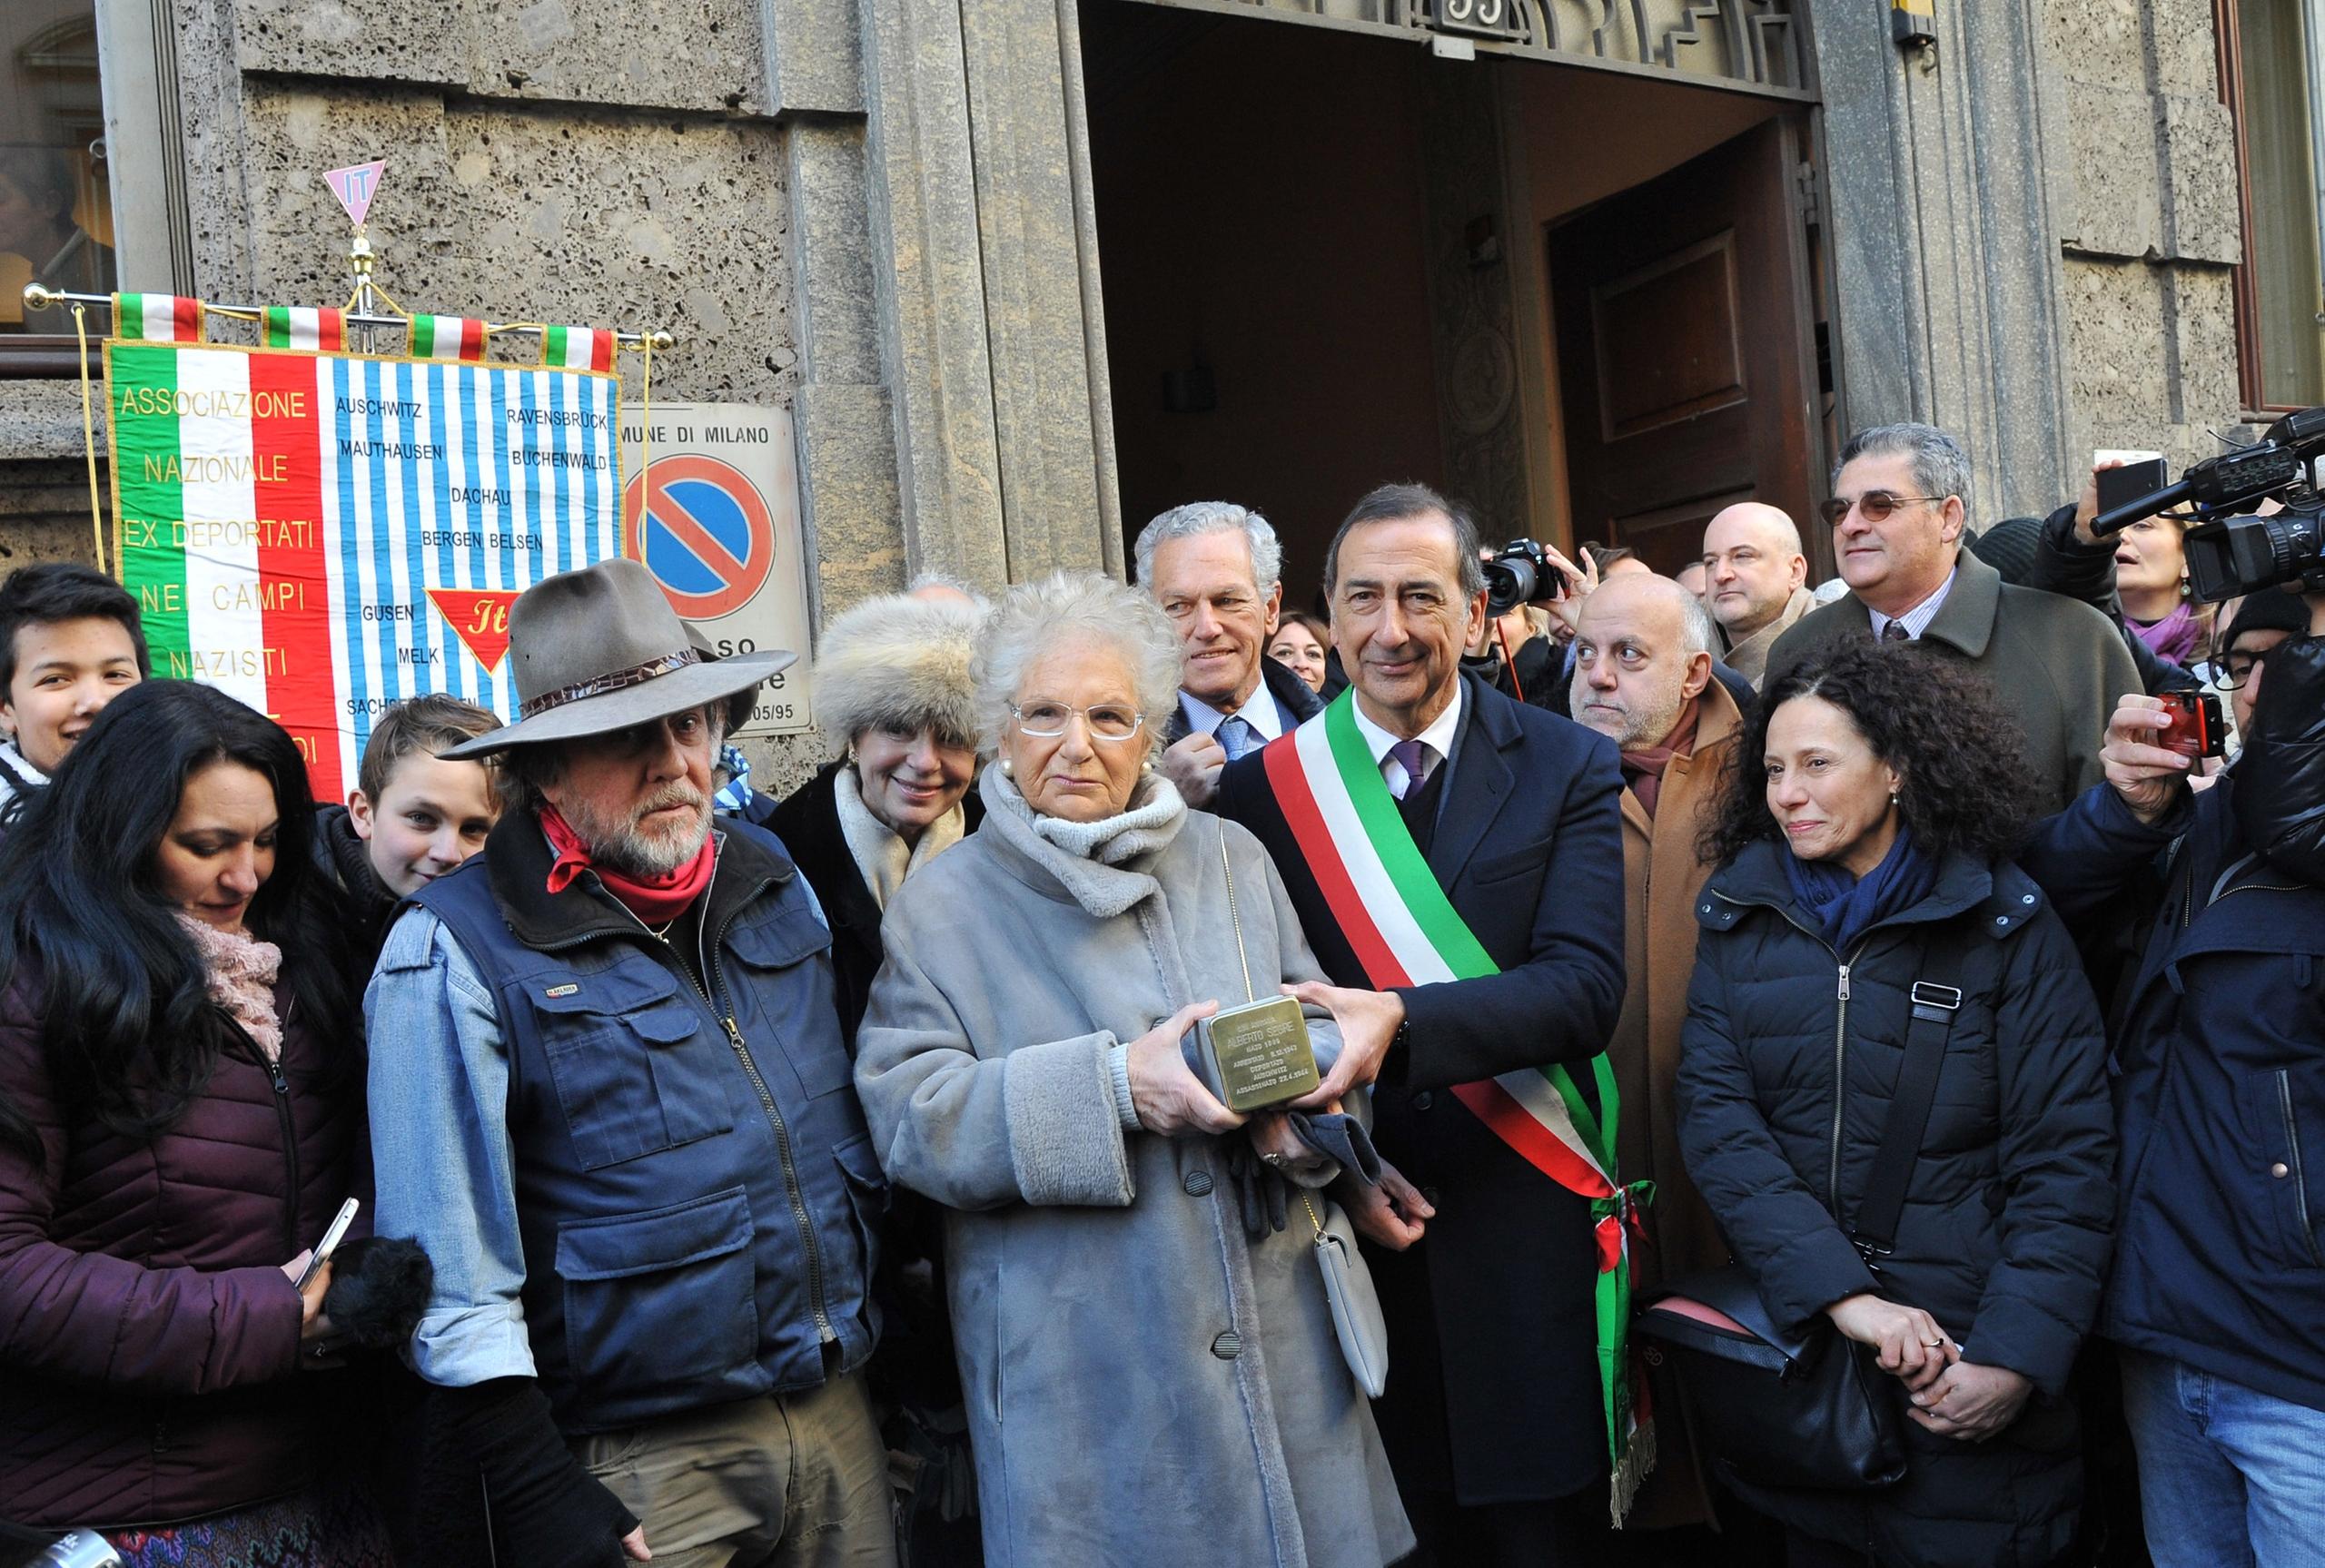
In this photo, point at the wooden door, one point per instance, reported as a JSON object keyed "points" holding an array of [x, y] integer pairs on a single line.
{"points": [[1686, 350]]}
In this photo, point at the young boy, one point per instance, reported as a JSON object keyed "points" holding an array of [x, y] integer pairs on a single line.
{"points": [[70, 642], [411, 817]]}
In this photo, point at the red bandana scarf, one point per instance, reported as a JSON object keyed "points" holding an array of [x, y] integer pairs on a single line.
{"points": [[653, 899], [1643, 768]]}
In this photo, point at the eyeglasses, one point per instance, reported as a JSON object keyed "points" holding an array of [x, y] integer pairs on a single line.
{"points": [[2235, 669], [1048, 720], [1873, 507]]}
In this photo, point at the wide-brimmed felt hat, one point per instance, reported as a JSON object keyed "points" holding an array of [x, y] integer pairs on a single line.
{"points": [[599, 649]]}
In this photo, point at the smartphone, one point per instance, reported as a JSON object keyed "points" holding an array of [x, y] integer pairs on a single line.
{"points": [[2196, 729], [345, 1218], [2133, 480]]}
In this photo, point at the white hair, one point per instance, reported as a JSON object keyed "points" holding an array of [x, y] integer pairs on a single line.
{"points": [[1199, 518], [1033, 618]]}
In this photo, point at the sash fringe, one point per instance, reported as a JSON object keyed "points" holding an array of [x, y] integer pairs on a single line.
{"points": [[1632, 1474]]}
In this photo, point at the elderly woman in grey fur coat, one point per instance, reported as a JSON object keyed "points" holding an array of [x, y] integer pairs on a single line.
{"points": [[1150, 1379]]}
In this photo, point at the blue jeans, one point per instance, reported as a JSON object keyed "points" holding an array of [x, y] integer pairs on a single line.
{"points": [[2230, 1477]]}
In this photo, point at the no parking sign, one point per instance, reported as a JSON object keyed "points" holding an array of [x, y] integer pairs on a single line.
{"points": [[716, 519]]}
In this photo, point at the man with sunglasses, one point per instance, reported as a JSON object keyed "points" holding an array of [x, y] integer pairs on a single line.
{"points": [[1898, 514]]}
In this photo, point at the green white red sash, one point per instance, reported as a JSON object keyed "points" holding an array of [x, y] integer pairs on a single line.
{"points": [[1405, 932]]}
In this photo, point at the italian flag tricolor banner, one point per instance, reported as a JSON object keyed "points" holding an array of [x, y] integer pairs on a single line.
{"points": [[290, 327], [157, 319], [578, 348], [322, 535], [446, 338], [1407, 932]]}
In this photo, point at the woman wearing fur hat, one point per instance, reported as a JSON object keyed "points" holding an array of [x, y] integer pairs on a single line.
{"points": [[893, 676]]}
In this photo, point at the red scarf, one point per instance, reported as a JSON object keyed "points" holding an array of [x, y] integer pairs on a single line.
{"points": [[655, 901], [1643, 768]]}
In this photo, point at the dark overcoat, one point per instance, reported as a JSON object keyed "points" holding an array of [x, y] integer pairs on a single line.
{"points": [[1788, 1062], [1494, 1392]]}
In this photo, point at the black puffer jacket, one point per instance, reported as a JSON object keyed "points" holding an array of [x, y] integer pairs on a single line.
{"points": [[1789, 1064]]}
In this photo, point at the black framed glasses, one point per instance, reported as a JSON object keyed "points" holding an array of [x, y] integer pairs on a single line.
{"points": [[1874, 505], [2231, 670]]}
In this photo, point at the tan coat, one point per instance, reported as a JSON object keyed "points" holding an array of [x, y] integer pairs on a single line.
{"points": [[1749, 658], [1661, 877]]}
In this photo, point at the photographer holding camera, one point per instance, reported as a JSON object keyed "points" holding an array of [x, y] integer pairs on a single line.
{"points": [[2217, 1297]]}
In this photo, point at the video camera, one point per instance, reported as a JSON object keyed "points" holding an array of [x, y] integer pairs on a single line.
{"points": [[2229, 551], [1521, 573]]}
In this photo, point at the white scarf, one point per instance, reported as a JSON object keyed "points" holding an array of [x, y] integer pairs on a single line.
{"points": [[881, 855], [14, 769]]}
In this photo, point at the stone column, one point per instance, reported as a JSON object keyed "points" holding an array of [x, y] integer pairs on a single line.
{"points": [[842, 417], [985, 281], [1945, 251]]}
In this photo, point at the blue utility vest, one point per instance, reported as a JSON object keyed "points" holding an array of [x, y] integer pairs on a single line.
{"points": [[696, 1189]]}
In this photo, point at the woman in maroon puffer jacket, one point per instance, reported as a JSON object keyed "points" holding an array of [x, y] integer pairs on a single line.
{"points": [[181, 1116]]}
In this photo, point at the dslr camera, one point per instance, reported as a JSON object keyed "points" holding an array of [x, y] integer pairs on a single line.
{"points": [[2230, 552], [1520, 573]]}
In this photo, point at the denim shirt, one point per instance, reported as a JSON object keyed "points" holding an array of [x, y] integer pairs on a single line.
{"points": [[440, 1124], [439, 1091]]}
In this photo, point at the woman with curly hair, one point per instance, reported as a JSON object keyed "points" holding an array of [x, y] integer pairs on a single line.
{"points": [[1863, 842]]}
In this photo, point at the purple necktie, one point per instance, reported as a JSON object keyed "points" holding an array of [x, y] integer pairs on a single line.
{"points": [[1413, 757], [1895, 632]]}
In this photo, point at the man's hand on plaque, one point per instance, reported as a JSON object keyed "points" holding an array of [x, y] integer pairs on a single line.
{"points": [[1170, 1099], [1368, 1021], [1193, 765]]}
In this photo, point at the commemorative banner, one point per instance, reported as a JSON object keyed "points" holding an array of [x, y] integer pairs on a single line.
{"points": [[322, 534]]}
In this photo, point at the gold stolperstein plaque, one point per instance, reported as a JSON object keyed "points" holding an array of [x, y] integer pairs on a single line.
{"points": [[1259, 1054]]}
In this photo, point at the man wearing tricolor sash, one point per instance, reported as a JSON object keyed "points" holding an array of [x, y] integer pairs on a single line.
{"points": [[1456, 859]]}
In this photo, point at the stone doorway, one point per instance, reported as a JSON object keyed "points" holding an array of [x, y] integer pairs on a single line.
{"points": [[1326, 260]]}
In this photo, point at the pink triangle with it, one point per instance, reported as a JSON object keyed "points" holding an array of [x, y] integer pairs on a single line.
{"points": [[355, 185]]}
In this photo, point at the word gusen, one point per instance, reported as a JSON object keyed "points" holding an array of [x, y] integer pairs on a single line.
{"points": [[266, 533], [214, 403]]}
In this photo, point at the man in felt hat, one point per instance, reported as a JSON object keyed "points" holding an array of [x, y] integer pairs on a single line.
{"points": [[609, 1097]]}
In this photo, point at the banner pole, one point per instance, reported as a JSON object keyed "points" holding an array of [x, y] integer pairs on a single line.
{"points": [[38, 298]]}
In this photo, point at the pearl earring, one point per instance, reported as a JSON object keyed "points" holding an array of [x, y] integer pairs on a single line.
{"points": [[1008, 769]]}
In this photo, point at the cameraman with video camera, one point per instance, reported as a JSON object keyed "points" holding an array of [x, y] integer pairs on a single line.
{"points": [[2217, 1297]]}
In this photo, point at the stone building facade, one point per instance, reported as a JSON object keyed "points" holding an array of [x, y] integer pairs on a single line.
{"points": [[888, 216]]}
